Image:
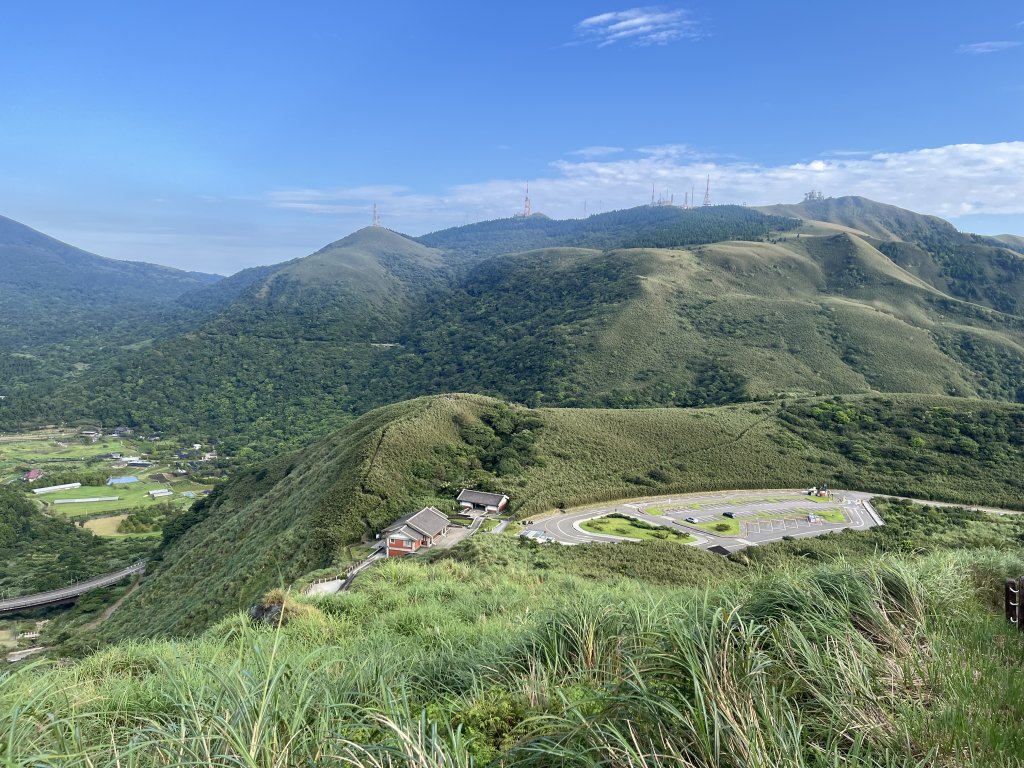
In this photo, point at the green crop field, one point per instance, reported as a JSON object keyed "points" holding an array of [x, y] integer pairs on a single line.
{"points": [[131, 495], [51, 450]]}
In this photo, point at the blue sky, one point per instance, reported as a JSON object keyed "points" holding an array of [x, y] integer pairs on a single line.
{"points": [[220, 135]]}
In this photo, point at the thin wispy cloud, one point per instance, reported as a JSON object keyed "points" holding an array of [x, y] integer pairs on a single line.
{"points": [[638, 26], [992, 46], [597, 151], [850, 152]]}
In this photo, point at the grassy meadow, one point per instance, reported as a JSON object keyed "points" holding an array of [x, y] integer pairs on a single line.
{"points": [[505, 654]]}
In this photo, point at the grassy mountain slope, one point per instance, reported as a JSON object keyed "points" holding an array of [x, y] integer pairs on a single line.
{"points": [[878, 220], [717, 323], [300, 511], [896, 661], [979, 269], [1014, 242], [316, 339]]}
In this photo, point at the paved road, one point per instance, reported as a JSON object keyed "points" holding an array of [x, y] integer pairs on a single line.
{"points": [[789, 510], [67, 593]]}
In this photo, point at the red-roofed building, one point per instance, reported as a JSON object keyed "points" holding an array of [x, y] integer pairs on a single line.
{"points": [[407, 535], [32, 474]]}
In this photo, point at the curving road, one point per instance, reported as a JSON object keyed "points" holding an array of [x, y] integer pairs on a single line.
{"points": [[64, 594]]}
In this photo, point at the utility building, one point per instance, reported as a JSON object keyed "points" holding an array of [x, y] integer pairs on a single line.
{"points": [[482, 501]]}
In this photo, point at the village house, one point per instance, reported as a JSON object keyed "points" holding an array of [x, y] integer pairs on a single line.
{"points": [[408, 534], [481, 501], [32, 474]]}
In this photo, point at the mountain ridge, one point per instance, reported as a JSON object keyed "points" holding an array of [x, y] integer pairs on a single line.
{"points": [[295, 349]]}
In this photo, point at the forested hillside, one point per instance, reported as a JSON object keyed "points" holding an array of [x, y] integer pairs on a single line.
{"points": [[734, 307], [301, 511], [53, 292], [642, 227], [39, 552]]}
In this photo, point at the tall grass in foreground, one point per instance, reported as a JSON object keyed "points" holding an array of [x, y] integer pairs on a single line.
{"points": [[881, 663]]}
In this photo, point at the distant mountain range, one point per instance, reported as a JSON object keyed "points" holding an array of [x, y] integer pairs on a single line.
{"points": [[653, 306], [51, 291]]}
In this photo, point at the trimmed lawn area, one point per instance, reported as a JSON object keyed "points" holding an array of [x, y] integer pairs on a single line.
{"points": [[739, 502], [661, 509], [833, 515], [633, 529], [731, 526], [727, 527]]}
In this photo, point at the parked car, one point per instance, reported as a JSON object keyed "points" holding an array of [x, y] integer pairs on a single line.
{"points": [[691, 519]]}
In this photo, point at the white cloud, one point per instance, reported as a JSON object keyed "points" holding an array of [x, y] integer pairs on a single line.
{"points": [[992, 46], [949, 181], [639, 26], [597, 151]]}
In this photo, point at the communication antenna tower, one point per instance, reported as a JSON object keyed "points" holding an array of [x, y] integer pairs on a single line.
{"points": [[686, 200], [376, 216], [652, 194], [526, 206], [707, 192]]}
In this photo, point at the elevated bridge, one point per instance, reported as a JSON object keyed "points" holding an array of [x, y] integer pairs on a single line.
{"points": [[68, 594]]}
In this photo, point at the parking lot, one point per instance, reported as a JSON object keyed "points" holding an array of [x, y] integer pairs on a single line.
{"points": [[730, 519]]}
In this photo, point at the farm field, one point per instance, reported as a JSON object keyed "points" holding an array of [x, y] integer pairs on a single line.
{"points": [[48, 449], [130, 496], [107, 526]]}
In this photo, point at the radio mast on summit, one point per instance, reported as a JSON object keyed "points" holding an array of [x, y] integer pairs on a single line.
{"points": [[376, 216], [707, 192], [526, 204]]}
